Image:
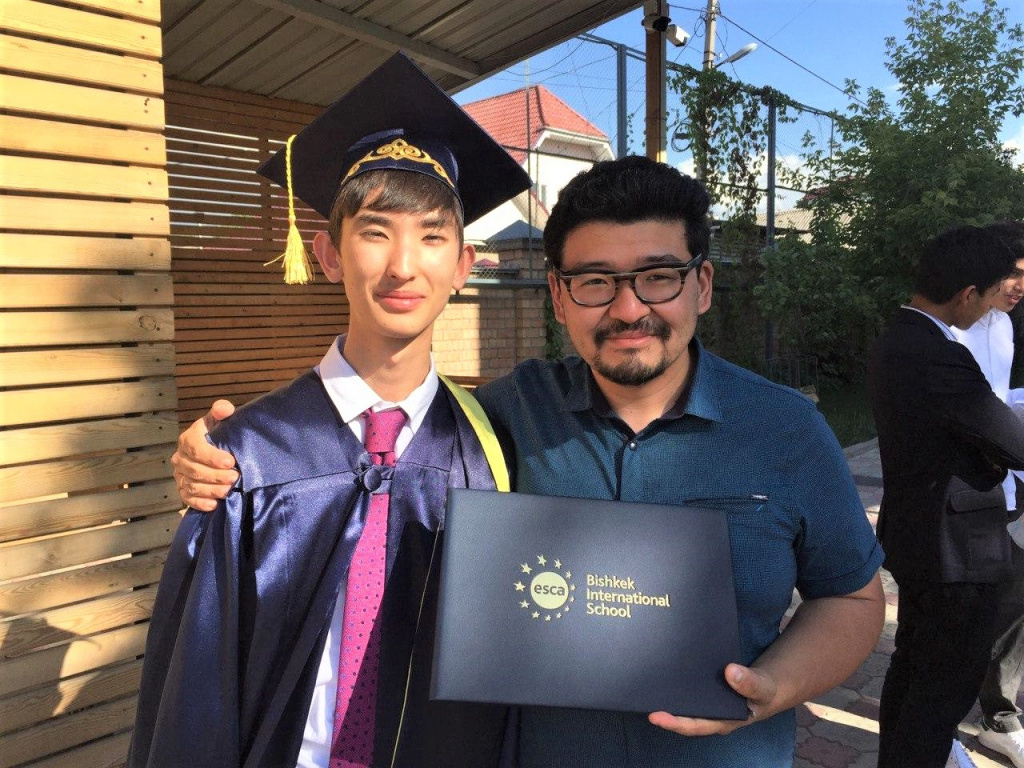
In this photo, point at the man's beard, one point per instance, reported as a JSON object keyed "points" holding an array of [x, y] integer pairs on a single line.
{"points": [[633, 372]]}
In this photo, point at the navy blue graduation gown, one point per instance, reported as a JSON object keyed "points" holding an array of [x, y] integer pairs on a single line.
{"points": [[248, 591]]}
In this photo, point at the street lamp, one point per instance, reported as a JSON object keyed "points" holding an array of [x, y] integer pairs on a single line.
{"points": [[748, 48]]}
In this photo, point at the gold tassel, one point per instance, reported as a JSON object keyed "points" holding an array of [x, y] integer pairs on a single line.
{"points": [[297, 269]]}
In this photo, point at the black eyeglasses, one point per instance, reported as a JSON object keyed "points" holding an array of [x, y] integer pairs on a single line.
{"points": [[654, 285]]}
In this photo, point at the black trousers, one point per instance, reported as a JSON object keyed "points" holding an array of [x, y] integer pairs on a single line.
{"points": [[998, 696], [943, 644]]}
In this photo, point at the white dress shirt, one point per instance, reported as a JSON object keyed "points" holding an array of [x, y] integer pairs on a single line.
{"points": [[990, 341], [351, 396]]}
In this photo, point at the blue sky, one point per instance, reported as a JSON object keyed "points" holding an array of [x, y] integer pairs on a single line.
{"points": [[834, 39]]}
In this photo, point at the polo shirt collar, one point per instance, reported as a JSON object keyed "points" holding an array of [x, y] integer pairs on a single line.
{"points": [[582, 386], [700, 399], [703, 401]]}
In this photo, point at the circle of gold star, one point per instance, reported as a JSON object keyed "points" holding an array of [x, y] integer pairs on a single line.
{"points": [[542, 562]]}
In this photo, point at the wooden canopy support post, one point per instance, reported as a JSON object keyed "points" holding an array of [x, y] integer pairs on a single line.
{"points": [[656, 101]]}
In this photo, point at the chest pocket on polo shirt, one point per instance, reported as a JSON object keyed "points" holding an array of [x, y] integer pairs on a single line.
{"points": [[753, 502], [753, 512], [756, 513], [763, 542]]}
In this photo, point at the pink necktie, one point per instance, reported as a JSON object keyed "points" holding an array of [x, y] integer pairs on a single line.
{"points": [[359, 662]]}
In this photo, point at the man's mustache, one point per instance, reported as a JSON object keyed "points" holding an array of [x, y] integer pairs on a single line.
{"points": [[650, 325]]}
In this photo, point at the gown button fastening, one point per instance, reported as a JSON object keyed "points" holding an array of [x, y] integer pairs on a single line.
{"points": [[372, 479]]}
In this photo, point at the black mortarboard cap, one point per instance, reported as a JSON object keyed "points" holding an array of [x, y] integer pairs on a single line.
{"points": [[398, 118]]}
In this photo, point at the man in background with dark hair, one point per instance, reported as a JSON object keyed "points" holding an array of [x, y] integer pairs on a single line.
{"points": [[646, 414], [994, 341], [945, 441]]}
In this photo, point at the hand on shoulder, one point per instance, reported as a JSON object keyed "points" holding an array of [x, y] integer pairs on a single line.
{"points": [[202, 472]]}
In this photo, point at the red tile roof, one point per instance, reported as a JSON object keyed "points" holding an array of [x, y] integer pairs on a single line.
{"points": [[504, 117]]}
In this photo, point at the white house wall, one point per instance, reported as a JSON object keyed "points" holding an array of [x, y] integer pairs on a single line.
{"points": [[555, 163], [489, 224]]}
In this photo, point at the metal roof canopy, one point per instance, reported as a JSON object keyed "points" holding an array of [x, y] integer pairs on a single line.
{"points": [[313, 51]]}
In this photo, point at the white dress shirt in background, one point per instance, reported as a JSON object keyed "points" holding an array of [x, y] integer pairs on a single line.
{"points": [[991, 343]]}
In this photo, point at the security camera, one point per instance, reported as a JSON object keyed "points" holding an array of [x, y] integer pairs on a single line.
{"points": [[655, 22], [677, 35]]}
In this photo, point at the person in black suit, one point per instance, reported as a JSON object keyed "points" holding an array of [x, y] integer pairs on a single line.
{"points": [[946, 441]]}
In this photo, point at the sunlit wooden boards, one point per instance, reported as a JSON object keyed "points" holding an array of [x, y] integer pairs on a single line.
{"points": [[238, 330], [87, 391]]}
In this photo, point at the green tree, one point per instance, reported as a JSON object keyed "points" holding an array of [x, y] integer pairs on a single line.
{"points": [[817, 309], [900, 172], [724, 123]]}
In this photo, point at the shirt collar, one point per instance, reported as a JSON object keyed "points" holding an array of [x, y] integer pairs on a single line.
{"points": [[946, 330], [703, 400], [992, 317], [352, 396], [699, 399]]}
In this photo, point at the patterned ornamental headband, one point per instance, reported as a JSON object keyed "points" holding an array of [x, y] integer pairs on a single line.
{"points": [[398, 153]]}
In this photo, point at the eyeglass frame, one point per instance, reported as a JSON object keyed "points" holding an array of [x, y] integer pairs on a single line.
{"points": [[630, 277]]}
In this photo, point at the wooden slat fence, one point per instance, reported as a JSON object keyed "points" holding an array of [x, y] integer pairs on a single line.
{"points": [[87, 394], [239, 331]]}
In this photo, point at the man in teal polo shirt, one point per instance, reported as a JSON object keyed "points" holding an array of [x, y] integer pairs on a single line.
{"points": [[646, 414]]}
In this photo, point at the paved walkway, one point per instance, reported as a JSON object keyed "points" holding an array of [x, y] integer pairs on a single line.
{"points": [[840, 729]]}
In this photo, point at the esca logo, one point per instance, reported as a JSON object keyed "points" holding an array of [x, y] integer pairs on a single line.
{"points": [[545, 593]]}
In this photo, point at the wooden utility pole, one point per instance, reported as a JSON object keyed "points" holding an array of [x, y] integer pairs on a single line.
{"points": [[700, 138], [709, 34]]}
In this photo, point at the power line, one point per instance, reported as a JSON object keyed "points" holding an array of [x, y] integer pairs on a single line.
{"points": [[772, 47], [500, 79], [638, 55], [575, 70], [552, 66], [795, 17], [790, 59]]}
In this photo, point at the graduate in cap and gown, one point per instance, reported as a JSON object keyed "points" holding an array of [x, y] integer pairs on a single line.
{"points": [[294, 624]]}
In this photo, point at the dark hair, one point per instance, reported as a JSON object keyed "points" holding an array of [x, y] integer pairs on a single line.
{"points": [[405, 191], [960, 257], [626, 191], [1011, 233]]}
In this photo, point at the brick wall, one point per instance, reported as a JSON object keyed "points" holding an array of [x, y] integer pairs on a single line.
{"points": [[530, 327], [486, 331]]}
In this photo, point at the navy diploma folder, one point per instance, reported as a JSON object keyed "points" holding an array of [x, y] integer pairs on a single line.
{"points": [[586, 603]]}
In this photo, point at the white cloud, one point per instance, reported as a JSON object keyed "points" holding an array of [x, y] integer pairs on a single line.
{"points": [[687, 166]]}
